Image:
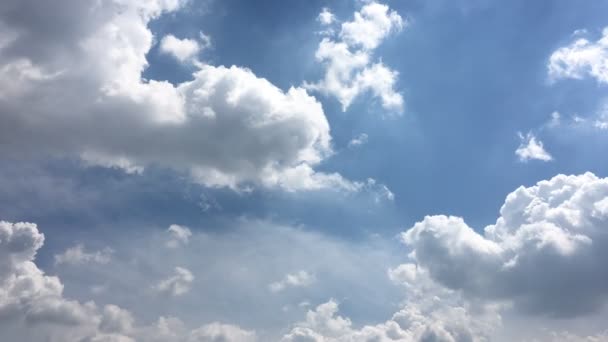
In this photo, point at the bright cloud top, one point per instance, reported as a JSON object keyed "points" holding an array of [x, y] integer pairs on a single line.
{"points": [[181, 49], [531, 148], [347, 58], [582, 58]]}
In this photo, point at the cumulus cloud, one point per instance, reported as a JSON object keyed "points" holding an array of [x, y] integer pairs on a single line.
{"points": [[181, 49], [77, 255], [544, 254], [531, 148], [349, 70], [582, 58], [178, 284], [298, 279], [76, 89], [179, 235], [33, 307], [441, 323]]}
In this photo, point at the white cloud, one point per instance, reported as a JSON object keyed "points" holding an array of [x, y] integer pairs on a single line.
{"points": [[177, 284], [544, 254], [531, 148], [582, 58], [349, 71], [298, 279], [326, 17], [371, 25], [77, 255], [181, 49], [80, 90], [359, 140], [180, 235], [403, 274]]}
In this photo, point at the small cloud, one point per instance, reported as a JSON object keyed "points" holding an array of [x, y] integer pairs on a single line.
{"points": [[555, 119], [359, 140], [298, 279], [180, 236], [178, 284], [77, 255], [531, 148], [181, 49], [326, 17]]}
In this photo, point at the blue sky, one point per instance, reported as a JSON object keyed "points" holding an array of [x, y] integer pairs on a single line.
{"points": [[328, 169]]}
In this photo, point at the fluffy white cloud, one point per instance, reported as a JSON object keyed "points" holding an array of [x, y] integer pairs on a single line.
{"points": [[298, 279], [71, 85], [531, 148], [371, 25], [177, 284], [179, 235], [349, 70], [413, 323], [580, 59], [181, 49], [78, 255], [326, 17], [544, 254]]}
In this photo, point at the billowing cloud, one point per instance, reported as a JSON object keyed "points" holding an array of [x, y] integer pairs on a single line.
{"points": [[582, 58], [531, 148], [544, 254], [349, 70], [78, 91]]}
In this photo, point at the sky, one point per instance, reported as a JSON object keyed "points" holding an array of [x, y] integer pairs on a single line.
{"points": [[303, 171]]}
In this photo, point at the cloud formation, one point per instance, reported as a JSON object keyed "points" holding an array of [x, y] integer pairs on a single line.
{"points": [[531, 148], [549, 240], [347, 58], [181, 49], [78, 91], [177, 284], [582, 58]]}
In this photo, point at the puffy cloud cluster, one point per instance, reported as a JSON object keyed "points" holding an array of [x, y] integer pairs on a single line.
{"points": [[349, 70], [71, 85], [33, 308], [437, 322], [544, 255], [531, 148], [582, 58]]}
